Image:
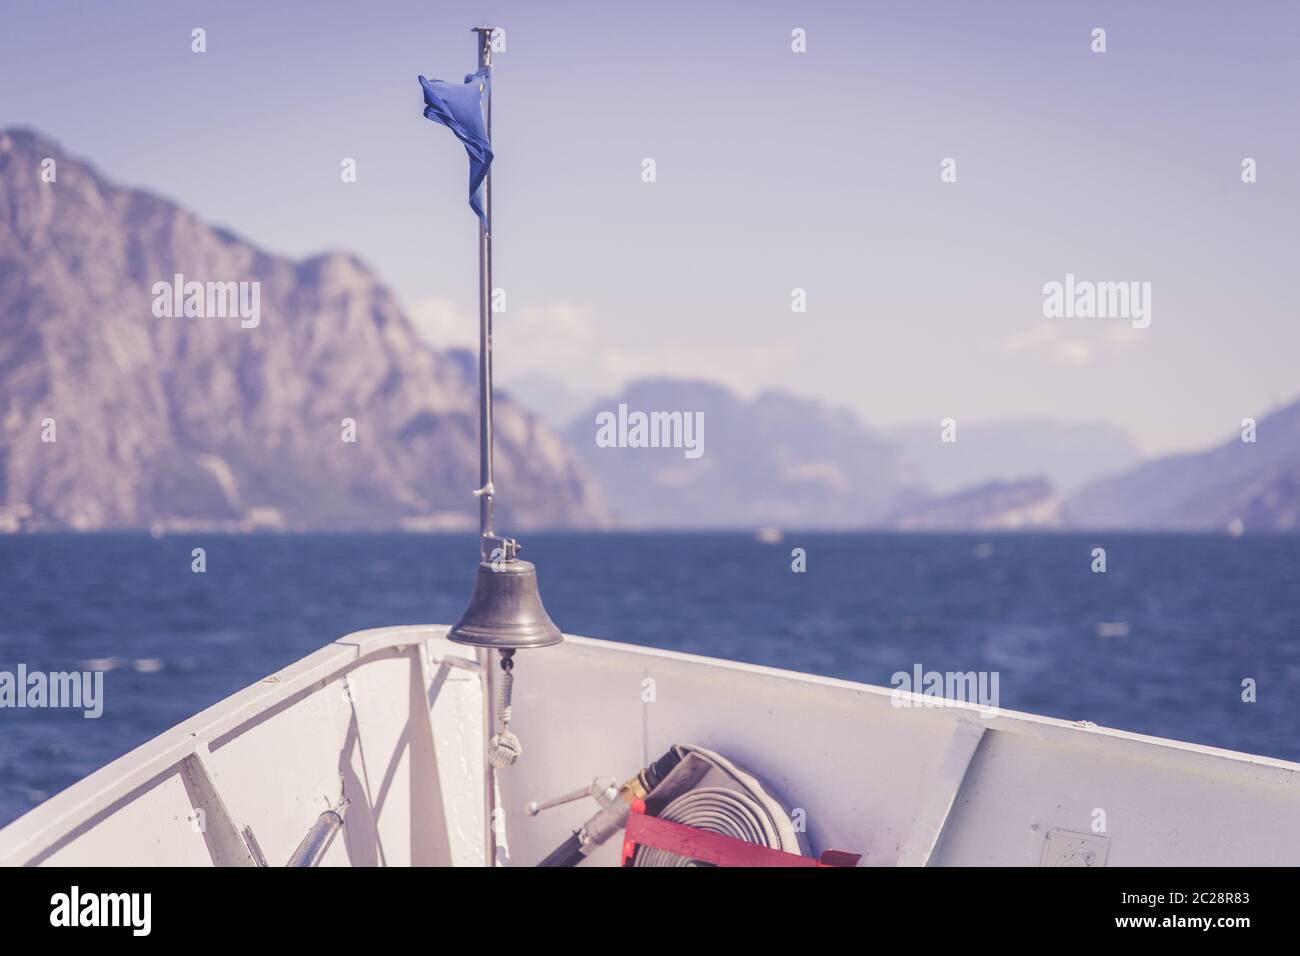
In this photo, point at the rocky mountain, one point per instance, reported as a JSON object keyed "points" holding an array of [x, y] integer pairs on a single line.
{"points": [[1251, 486], [1272, 504], [1069, 455], [255, 391], [775, 460], [995, 506], [157, 371]]}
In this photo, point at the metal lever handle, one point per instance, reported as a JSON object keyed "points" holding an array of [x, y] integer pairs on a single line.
{"points": [[602, 789]]}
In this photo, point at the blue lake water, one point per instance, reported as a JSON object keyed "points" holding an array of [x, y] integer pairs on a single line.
{"points": [[1159, 644]]}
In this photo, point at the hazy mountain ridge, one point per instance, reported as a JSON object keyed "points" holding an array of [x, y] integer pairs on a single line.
{"points": [[775, 460], [1068, 454], [200, 421], [797, 463], [1251, 485], [994, 506]]}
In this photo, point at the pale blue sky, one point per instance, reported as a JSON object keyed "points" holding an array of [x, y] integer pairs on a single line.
{"points": [[775, 170]]}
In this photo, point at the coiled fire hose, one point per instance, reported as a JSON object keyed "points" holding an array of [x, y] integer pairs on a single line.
{"points": [[717, 810], [739, 808]]}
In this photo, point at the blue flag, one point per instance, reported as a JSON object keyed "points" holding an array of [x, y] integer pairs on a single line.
{"points": [[463, 110]]}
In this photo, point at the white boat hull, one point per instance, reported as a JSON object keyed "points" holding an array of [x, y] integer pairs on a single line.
{"points": [[393, 719]]}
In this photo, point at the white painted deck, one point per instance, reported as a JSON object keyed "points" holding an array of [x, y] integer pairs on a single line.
{"points": [[395, 717]]}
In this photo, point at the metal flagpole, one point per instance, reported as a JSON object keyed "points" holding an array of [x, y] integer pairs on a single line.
{"points": [[505, 611], [485, 489], [483, 36]]}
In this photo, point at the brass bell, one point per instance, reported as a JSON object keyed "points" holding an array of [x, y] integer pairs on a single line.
{"points": [[505, 611]]}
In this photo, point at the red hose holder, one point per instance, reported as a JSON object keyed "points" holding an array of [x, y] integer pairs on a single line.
{"points": [[715, 848]]}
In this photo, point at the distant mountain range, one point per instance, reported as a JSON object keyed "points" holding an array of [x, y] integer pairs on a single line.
{"points": [[1239, 485], [156, 371], [1068, 455], [113, 415], [775, 460], [993, 506], [788, 462], [795, 463]]}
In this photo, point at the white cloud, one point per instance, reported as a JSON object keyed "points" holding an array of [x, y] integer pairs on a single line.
{"points": [[444, 324], [1047, 340], [566, 343]]}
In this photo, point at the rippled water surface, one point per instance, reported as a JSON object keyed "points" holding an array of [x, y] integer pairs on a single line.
{"points": [[1159, 644]]}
